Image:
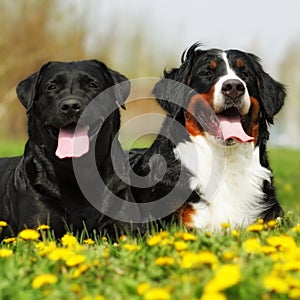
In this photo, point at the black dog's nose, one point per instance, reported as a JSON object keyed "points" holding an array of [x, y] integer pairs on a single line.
{"points": [[233, 88], [70, 106]]}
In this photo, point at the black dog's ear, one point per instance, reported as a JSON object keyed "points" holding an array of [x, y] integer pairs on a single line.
{"points": [[122, 90], [272, 93], [26, 90]]}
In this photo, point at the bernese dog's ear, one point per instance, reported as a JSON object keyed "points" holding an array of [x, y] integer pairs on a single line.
{"points": [[172, 91], [272, 93]]}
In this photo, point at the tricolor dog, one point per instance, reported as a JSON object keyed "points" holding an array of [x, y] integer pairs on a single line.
{"points": [[221, 153]]}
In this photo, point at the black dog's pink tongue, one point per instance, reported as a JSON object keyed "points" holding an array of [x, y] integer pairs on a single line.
{"points": [[72, 143], [231, 127]]}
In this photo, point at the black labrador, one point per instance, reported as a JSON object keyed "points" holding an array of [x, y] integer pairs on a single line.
{"points": [[41, 186]]}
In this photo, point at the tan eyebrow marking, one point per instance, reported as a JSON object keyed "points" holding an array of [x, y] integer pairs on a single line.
{"points": [[213, 64], [240, 63]]}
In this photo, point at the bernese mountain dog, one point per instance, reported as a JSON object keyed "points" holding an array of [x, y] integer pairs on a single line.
{"points": [[213, 142]]}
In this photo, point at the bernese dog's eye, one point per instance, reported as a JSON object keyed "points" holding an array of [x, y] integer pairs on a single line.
{"points": [[245, 74], [51, 86], [208, 73]]}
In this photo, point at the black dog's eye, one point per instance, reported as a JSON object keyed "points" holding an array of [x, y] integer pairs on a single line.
{"points": [[93, 85], [51, 86]]}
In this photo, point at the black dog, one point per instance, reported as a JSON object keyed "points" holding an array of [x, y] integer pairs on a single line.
{"points": [[219, 106], [41, 186]]}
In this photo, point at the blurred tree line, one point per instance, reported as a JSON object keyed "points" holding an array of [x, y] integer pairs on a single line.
{"points": [[34, 32], [289, 118]]}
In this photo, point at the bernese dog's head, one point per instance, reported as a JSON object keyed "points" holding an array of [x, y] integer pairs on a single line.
{"points": [[233, 98]]}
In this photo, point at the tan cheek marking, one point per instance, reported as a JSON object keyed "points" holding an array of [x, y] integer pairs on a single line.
{"points": [[191, 123], [185, 215]]}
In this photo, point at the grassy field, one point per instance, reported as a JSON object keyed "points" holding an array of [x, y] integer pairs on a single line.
{"points": [[261, 262]]}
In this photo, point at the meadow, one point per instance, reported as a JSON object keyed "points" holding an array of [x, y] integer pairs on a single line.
{"points": [[260, 262]]}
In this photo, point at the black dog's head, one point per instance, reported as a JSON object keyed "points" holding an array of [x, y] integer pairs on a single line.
{"points": [[56, 96], [242, 98]]}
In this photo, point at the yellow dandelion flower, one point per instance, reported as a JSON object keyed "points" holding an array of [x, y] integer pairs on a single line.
{"points": [[131, 247], [294, 293], [180, 245], [80, 270], [164, 234], [3, 224], [142, 288], [89, 242], [10, 240], [282, 242], [43, 227], [225, 277], [123, 238], [97, 297], [60, 254], [45, 247], [68, 240], [192, 260], [276, 284], [213, 296], [252, 246], [291, 265], [43, 279], [167, 241], [29, 234], [186, 236], [271, 224], [157, 294], [255, 227], [159, 238], [5, 252], [165, 261], [75, 260], [154, 240], [235, 233], [268, 249], [225, 225], [228, 255]]}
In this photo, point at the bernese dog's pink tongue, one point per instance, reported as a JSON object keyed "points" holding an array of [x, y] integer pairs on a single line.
{"points": [[72, 143], [231, 127]]}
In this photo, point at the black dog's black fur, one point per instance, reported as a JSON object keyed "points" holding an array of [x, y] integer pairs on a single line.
{"points": [[38, 187], [193, 73]]}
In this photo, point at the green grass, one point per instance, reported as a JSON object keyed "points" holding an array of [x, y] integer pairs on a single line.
{"points": [[11, 147], [260, 263]]}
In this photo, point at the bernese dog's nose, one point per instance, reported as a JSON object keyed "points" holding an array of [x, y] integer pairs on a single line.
{"points": [[233, 88], [70, 106]]}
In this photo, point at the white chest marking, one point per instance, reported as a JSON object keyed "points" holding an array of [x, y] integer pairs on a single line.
{"points": [[229, 179]]}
